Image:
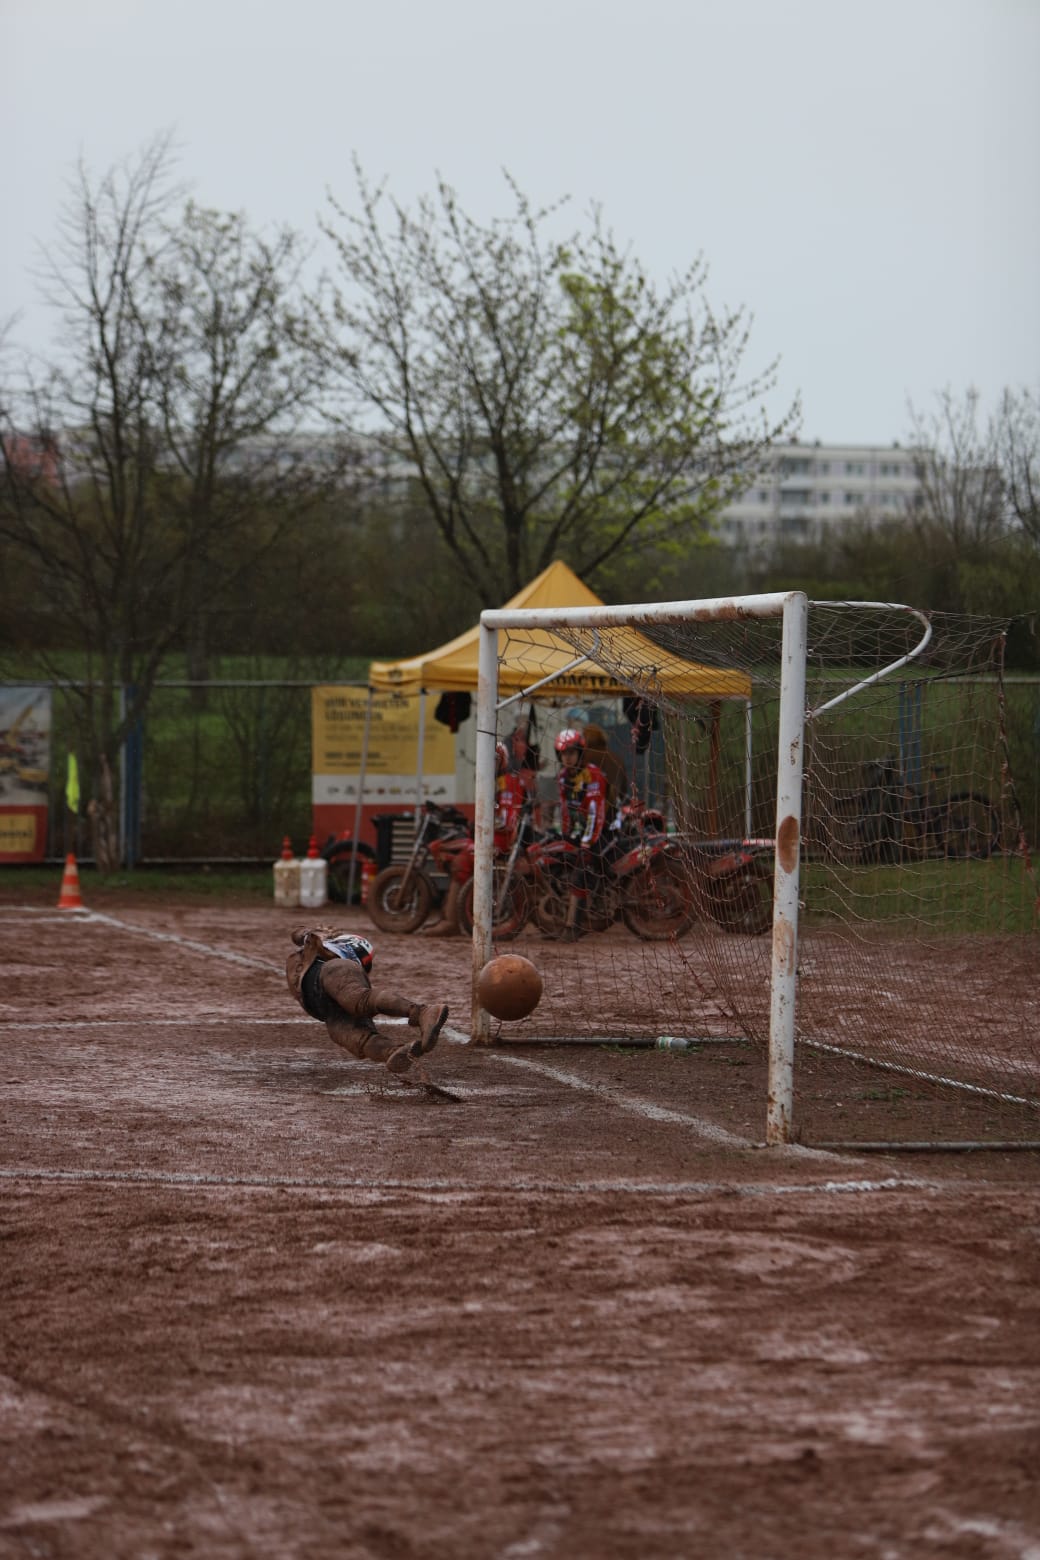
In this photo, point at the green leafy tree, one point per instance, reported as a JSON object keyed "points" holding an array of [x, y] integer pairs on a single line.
{"points": [[548, 397]]}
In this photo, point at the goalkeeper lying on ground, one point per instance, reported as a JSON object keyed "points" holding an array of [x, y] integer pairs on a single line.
{"points": [[327, 973]]}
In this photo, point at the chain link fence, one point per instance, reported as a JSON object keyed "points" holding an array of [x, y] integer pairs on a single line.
{"points": [[220, 772], [217, 772]]}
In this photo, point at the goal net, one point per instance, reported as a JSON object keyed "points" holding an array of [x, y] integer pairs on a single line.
{"points": [[814, 880]]}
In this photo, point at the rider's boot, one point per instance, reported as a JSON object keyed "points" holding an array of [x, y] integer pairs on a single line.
{"points": [[448, 925]]}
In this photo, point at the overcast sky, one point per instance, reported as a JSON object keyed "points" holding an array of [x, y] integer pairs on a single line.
{"points": [[862, 175]]}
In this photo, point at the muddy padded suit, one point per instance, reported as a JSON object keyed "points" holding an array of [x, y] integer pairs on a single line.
{"points": [[334, 988]]}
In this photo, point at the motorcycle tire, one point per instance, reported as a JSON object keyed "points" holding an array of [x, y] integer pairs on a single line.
{"points": [[602, 908], [339, 875], [743, 903], [549, 913], [970, 827], [506, 923], [385, 906], [656, 903]]}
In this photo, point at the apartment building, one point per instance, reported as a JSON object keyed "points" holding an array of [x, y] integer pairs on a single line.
{"points": [[808, 489]]}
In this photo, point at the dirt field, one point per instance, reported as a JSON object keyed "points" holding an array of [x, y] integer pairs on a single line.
{"points": [[258, 1299]]}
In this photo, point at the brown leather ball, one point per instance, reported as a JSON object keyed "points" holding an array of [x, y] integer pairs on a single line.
{"points": [[509, 986]]}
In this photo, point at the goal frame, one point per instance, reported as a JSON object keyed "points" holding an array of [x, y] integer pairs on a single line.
{"points": [[793, 608]]}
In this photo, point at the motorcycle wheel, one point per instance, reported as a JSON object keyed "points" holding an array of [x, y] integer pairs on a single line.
{"points": [[656, 903], [743, 903], [970, 827], [339, 875], [506, 923], [602, 908], [387, 909], [550, 913]]}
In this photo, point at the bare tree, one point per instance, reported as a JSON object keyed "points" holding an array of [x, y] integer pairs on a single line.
{"points": [[548, 398], [161, 452], [957, 467], [1018, 451]]}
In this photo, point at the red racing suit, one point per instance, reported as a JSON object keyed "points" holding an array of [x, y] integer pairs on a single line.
{"points": [[583, 812], [583, 803], [510, 795]]}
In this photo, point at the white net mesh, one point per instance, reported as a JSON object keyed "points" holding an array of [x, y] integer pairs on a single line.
{"points": [[918, 945]]}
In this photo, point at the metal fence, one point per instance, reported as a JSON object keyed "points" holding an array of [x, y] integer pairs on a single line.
{"points": [[216, 772], [220, 772]]}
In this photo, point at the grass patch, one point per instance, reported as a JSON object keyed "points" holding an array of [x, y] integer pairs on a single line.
{"points": [[946, 897], [252, 883]]}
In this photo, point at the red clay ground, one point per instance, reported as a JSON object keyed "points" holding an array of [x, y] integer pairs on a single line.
{"points": [[257, 1300]]}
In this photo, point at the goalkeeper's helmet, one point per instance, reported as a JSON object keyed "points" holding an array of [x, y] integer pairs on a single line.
{"points": [[346, 945], [569, 738]]}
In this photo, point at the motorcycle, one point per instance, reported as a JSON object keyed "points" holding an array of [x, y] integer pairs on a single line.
{"points": [[511, 899], [653, 883], [402, 896], [733, 888], [729, 883], [636, 878]]}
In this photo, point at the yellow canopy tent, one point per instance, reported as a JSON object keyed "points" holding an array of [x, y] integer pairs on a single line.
{"points": [[534, 656]]}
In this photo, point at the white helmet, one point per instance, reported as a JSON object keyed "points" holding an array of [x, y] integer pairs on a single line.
{"points": [[347, 945]]}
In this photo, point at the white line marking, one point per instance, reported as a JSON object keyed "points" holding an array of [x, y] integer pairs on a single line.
{"points": [[216, 1021], [464, 1091], [643, 1108], [194, 1022], [86, 917], [469, 1192], [183, 942]]}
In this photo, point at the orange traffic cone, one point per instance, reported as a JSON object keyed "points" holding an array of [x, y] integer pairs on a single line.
{"points": [[70, 897]]}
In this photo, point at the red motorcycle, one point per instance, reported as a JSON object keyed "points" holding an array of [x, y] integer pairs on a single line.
{"points": [[636, 878], [402, 896], [512, 876], [657, 885], [732, 884]]}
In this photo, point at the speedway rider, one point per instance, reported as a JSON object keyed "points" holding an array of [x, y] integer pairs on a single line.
{"points": [[583, 811], [510, 794]]}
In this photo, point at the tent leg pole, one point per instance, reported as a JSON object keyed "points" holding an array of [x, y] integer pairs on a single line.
{"points": [[419, 760], [352, 875]]}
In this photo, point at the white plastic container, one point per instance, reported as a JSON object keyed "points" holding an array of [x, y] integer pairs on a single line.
{"points": [[287, 877], [314, 878]]}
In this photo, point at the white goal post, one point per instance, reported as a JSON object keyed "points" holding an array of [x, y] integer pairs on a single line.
{"points": [[792, 607]]}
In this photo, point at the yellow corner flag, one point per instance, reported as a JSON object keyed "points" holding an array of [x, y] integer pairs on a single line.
{"points": [[72, 785]]}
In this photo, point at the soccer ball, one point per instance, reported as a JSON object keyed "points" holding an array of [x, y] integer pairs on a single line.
{"points": [[509, 987]]}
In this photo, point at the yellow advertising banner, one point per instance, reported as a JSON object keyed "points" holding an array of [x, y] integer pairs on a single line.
{"points": [[338, 719], [18, 833]]}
